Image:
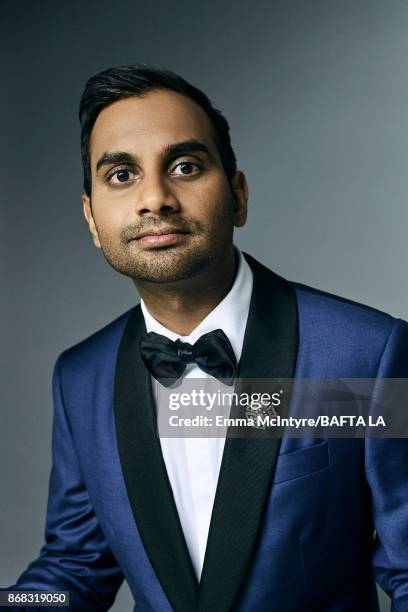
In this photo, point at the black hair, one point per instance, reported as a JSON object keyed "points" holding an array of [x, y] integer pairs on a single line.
{"points": [[120, 82]]}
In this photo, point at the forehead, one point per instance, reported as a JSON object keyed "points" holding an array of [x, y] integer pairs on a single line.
{"points": [[148, 123]]}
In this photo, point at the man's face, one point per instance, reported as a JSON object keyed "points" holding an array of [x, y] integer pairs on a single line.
{"points": [[162, 208]]}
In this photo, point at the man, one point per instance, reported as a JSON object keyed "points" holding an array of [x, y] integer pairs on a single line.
{"points": [[244, 524]]}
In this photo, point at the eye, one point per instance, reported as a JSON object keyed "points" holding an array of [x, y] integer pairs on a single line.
{"points": [[185, 168], [121, 176]]}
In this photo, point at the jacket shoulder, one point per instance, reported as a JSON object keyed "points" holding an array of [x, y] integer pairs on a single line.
{"points": [[321, 313], [99, 345], [336, 310], [350, 339]]}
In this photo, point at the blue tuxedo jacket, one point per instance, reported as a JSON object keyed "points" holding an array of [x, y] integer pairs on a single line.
{"points": [[294, 519]]}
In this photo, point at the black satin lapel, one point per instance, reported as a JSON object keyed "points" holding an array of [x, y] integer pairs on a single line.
{"points": [[145, 474], [269, 351]]}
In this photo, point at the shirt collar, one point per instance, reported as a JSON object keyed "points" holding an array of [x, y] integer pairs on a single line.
{"points": [[230, 314]]}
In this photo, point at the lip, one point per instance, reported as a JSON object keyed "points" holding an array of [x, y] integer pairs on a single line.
{"points": [[160, 232], [161, 237]]}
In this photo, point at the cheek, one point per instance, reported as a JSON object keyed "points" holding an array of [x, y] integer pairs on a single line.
{"points": [[109, 219], [214, 205], [222, 210]]}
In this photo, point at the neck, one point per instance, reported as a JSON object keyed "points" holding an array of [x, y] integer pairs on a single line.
{"points": [[181, 306]]}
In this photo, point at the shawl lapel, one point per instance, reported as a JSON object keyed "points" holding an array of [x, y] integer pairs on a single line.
{"points": [[144, 470], [269, 351]]}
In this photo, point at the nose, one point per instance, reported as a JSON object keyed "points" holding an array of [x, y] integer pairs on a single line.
{"points": [[155, 196]]}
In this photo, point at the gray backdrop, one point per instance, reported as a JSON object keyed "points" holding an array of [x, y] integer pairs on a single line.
{"points": [[316, 93]]}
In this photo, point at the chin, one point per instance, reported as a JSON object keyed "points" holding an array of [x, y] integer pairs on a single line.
{"points": [[162, 265], [169, 274]]}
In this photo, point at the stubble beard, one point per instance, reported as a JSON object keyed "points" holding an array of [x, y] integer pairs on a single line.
{"points": [[167, 264], [206, 245], [162, 265]]}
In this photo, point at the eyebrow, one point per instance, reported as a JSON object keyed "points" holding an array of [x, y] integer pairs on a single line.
{"points": [[116, 157], [171, 150], [188, 146]]}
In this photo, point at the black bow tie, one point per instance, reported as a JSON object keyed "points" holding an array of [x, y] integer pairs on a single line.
{"points": [[166, 360]]}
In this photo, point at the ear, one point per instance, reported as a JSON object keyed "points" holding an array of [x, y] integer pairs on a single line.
{"points": [[240, 192], [87, 208]]}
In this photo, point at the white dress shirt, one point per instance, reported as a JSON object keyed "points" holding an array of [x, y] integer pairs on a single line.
{"points": [[193, 464]]}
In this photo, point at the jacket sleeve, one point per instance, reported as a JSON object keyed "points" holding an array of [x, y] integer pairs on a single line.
{"points": [[75, 556], [386, 461]]}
